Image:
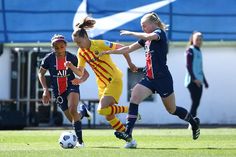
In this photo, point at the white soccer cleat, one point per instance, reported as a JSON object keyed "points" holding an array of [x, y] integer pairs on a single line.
{"points": [[86, 112], [139, 117], [131, 144], [78, 145], [189, 126]]}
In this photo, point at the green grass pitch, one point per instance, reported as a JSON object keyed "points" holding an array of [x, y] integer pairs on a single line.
{"points": [[219, 142]]}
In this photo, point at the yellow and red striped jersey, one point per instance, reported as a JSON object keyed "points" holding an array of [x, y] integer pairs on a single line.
{"points": [[103, 66]]}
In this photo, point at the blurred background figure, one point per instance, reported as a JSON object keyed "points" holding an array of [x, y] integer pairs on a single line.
{"points": [[195, 78]]}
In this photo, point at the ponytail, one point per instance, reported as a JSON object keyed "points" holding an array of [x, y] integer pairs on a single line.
{"points": [[81, 28], [153, 17]]}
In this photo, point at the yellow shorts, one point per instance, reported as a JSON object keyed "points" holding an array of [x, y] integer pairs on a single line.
{"points": [[114, 89]]}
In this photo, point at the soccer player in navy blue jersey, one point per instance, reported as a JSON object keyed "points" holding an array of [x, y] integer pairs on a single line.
{"points": [[157, 77], [64, 84], [195, 78]]}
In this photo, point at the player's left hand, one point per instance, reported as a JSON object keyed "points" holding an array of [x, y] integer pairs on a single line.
{"points": [[76, 81], [103, 53], [125, 32]]}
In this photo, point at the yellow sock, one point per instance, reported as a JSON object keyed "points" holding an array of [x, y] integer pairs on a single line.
{"points": [[113, 109], [117, 125]]}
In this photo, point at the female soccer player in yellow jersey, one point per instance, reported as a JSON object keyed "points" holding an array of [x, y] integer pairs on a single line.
{"points": [[108, 75]]}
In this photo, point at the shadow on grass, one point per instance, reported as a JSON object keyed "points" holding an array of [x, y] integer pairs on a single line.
{"points": [[207, 148], [107, 147]]}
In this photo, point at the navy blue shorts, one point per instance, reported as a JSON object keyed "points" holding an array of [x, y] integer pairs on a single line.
{"points": [[62, 101], [163, 86]]}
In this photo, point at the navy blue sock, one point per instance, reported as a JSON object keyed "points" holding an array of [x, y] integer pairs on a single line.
{"points": [[132, 117], [182, 113], [78, 131]]}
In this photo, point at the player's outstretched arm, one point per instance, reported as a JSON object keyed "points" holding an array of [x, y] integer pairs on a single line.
{"points": [[123, 50], [132, 66], [82, 79], [141, 35]]}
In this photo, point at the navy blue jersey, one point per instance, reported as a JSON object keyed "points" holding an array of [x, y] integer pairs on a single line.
{"points": [[60, 76], [156, 52]]}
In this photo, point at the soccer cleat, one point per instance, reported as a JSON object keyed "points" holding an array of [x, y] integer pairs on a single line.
{"points": [[196, 129], [79, 145], [131, 144], [189, 126], [85, 112], [123, 136], [139, 117]]}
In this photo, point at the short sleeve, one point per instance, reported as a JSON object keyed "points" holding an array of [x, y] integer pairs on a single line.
{"points": [[189, 51], [141, 42], [159, 33], [74, 60], [107, 45], [45, 62], [81, 59]]}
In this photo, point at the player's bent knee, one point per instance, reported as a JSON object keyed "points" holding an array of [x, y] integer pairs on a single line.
{"points": [[135, 99], [73, 112], [109, 117], [68, 116], [100, 111]]}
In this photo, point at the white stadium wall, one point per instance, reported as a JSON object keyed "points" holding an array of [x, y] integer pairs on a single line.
{"points": [[5, 66], [218, 105]]}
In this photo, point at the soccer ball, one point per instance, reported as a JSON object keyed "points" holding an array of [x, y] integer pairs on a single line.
{"points": [[67, 140]]}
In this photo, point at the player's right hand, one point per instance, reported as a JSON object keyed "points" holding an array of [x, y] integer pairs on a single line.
{"points": [[198, 83], [67, 64], [133, 67], [46, 97]]}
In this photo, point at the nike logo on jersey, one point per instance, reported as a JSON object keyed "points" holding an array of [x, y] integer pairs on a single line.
{"points": [[165, 94], [118, 19]]}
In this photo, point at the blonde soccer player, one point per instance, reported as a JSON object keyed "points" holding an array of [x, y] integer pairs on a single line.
{"points": [[157, 77]]}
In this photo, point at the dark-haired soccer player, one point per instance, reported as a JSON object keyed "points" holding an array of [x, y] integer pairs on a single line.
{"points": [[64, 84]]}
